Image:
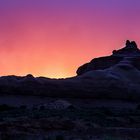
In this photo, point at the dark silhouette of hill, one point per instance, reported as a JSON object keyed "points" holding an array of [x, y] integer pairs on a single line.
{"points": [[111, 77]]}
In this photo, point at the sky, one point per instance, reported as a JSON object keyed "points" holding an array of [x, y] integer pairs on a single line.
{"points": [[52, 38]]}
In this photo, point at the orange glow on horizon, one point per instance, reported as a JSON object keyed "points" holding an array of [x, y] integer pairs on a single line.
{"points": [[54, 40]]}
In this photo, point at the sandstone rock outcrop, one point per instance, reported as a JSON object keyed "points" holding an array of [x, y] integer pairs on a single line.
{"points": [[130, 50]]}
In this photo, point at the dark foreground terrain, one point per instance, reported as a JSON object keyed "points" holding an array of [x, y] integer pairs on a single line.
{"points": [[59, 119], [101, 103]]}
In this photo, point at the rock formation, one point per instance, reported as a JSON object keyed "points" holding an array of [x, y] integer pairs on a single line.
{"points": [[130, 50]]}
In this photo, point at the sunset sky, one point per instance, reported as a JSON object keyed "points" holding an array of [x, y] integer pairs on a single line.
{"points": [[53, 38]]}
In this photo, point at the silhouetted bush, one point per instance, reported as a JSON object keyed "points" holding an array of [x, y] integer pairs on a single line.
{"points": [[34, 108], [71, 107], [107, 111], [42, 107], [138, 107], [59, 137], [23, 107], [5, 107]]}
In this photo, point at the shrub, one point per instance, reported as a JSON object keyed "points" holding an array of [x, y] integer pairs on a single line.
{"points": [[59, 137], [5, 107], [42, 107], [138, 107], [23, 107]]}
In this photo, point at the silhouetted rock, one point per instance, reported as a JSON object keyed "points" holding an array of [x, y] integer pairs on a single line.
{"points": [[99, 64], [130, 50], [29, 76], [127, 43]]}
